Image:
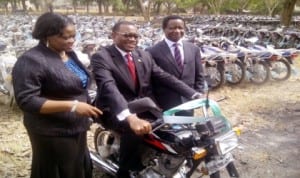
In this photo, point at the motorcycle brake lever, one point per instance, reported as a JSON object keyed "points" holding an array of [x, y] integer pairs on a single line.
{"points": [[157, 124]]}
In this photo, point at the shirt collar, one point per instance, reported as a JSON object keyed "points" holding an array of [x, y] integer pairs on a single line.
{"points": [[170, 43], [123, 53]]}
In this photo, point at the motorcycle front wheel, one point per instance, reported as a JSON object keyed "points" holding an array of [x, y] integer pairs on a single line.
{"points": [[280, 70], [215, 76], [234, 72], [259, 73]]}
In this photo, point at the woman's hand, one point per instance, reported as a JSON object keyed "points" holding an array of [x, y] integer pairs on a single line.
{"points": [[85, 109]]}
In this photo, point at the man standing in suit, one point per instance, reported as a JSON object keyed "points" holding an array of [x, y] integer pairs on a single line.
{"points": [[124, 73], [179, 58]]}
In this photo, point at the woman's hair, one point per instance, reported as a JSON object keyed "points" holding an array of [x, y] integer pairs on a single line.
{"points": [[49, 24]]}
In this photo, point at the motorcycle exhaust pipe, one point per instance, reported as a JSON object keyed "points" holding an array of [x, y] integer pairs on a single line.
{"points": [[99, 162]]}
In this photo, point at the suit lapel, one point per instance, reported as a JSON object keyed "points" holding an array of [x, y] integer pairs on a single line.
{"points": [[120, 63]]}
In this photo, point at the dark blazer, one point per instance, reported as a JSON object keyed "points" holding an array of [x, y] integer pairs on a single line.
{"points": [[192, 73], [115, 86], [39, 74]]}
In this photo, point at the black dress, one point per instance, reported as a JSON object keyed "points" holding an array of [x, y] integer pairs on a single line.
{"points": [[59, 139]]}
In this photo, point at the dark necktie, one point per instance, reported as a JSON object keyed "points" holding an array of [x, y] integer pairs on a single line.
{"points": [[131, 67], [177, 56]]}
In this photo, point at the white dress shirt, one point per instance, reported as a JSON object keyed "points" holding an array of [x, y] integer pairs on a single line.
{"points": [[180, 46]]}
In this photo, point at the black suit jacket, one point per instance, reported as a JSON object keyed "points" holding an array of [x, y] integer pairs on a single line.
{"points": [[115, 86], [192, 73], [38, 75]]}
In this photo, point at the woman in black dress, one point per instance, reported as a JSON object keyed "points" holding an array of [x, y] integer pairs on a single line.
{"points": [[50, 86]]}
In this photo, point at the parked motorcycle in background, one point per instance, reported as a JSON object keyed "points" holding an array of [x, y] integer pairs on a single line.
{"points": [[7, 61], [179, 146]]}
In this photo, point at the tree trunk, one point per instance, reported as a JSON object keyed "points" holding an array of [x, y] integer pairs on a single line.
{"points": [[88, 7], [144, 12], [36, 5], [6, 8], [99, 7], [14, 6], [75, 6], [287, 12], [157, 7], [24, 5]]}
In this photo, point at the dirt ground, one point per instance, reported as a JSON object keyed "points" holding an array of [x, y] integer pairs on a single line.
{"points": [[267, 114]]}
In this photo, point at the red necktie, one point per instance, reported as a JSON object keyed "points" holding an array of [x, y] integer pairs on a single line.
{"points": [[131, 67]]}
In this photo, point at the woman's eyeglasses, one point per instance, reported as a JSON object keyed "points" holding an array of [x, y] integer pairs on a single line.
{"points": [[129, 35]]}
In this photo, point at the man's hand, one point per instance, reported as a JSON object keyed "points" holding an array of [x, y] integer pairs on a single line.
{"points": [[197, 96], [138, 125]]}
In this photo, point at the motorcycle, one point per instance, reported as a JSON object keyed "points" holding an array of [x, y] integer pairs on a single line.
{"points": [[7, 61], [178, 146]]}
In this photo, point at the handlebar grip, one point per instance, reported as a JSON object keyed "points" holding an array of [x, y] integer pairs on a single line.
{"points": [[156, 123]]}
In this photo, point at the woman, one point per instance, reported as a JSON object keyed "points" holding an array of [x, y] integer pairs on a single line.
{"points": [[50, 86]]}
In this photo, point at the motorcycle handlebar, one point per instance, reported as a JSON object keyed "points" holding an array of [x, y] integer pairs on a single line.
{"points": [[156, 123]]}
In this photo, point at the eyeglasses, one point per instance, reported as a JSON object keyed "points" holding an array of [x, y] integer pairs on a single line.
{"points": [[129, 35], [66, 37]]}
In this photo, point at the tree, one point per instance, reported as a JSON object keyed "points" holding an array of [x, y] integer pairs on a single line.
{"points": [[36, 4], [74, 4], [146, 9], [215, 6], [271, 5], [287, 12], [5, 4]]}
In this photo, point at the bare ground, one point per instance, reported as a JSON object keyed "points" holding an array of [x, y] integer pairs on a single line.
{"points": [[268, 116]]}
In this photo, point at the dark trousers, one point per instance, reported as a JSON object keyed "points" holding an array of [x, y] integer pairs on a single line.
{"points": [[130, 154], [60, 156], [130, 143]]}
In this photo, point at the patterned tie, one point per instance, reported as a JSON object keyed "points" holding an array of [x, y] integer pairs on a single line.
{"points": [[177, 56], [131, 67]]}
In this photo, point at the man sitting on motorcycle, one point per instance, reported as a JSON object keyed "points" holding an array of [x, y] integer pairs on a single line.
{"points": [[124, 73]]}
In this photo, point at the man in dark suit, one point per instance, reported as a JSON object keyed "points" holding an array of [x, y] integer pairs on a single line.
{"points": [[179, 58], [124, 73]]}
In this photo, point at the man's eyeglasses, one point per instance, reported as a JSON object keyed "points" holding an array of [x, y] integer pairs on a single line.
{"points": [[129, 35]]}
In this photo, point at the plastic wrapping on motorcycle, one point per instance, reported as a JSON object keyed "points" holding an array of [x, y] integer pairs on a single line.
{"points": [[170, 118]]}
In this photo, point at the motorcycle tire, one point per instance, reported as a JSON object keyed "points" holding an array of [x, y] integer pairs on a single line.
{"points": [[236, 73], [215, 175], [259, 73], [215, 77], [96, 138], [280, 70], [99, 135], [231, 169]]}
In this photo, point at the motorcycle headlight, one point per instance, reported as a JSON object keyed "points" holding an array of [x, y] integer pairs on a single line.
{"points": [[227, 142]]}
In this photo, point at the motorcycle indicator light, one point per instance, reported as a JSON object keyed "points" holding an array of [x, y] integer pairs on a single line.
{"points": [[199, 153], [237, 131]]}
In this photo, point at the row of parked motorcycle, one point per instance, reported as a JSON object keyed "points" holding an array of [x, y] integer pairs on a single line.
{"points": [[234, 55]]}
